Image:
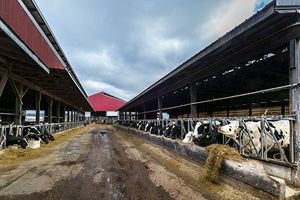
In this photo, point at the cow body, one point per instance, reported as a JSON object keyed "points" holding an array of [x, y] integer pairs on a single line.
{"points": [[281, 130], [33, 133], [12, 140], [206, 134]]}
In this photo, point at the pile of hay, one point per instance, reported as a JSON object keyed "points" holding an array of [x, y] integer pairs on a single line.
{"points": [[216, 154]]}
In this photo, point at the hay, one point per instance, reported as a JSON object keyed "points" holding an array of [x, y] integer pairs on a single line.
{"points": [[13, 155], [216, 154]]}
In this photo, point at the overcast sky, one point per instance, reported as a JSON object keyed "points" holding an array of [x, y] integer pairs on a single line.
{"points": [[123, 46]]}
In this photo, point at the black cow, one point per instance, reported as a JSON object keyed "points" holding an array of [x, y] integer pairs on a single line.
{"points": [[12, 140]]}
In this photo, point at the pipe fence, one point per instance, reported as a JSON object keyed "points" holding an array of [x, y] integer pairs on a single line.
{"points": [[267, 149]]}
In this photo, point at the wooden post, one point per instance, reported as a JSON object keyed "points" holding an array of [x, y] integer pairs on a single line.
{"points": [[18, 110], [58, 112], [20, 92], [68, 115], [38, 97], [193, 95], [64, 113], [72, 115], [227, 111], [294, 74], [145, 114], [159, 107], [282, 109], [50, 105]]}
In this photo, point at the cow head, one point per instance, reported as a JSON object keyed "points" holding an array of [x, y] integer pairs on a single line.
{"points": [[231, 130], [22, 142]]}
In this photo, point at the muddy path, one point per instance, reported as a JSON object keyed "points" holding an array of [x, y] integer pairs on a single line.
{"points": [[114, 165]]}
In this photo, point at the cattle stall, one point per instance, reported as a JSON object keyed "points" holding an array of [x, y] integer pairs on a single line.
{"points": [[38, 86], [249, 74]]}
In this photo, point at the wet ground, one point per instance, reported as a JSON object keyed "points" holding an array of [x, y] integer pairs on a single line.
{"points": [[112, 165]]}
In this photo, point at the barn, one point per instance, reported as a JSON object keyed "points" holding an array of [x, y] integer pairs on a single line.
{"points": [[250, 73], [37, 82], [105, 106]]}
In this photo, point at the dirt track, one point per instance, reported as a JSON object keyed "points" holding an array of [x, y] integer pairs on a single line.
{"points": [[110, 166]]}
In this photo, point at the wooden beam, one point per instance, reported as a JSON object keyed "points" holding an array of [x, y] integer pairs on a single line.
{"points": [[5, 77]]}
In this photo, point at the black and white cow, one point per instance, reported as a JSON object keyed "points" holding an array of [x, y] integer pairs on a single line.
{"points": [[12, 140], [172, 131], [148, 126], [33, 133], [44, 130], [281, 130], [206, 133], [156, 129]]}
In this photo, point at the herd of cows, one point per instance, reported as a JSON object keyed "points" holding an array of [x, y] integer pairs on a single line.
{"points": [[252, 136], [28, 134]]}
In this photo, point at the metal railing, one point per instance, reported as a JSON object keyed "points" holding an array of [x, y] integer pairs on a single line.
{"points": [[244, 143], [17, 130]]}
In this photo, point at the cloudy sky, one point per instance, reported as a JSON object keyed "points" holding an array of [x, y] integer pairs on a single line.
{"points": [[123, 46]]}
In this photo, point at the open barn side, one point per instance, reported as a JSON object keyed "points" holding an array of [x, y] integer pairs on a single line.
{"points": [[251, 75], [38, 87]]}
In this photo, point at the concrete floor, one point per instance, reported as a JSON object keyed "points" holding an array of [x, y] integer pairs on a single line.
{"points": [[114, 165]]}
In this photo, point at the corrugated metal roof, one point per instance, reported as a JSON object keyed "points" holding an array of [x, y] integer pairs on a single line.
{"points": [[105, 102]]}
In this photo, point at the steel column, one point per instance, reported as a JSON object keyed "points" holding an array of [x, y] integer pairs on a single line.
{"points": [[294, 75]]}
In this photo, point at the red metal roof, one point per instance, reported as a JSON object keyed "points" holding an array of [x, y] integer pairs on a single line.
{"points": [[105, 102], [14, 15]]}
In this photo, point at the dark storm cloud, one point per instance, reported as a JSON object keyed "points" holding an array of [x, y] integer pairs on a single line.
{"points": [[122, 47]]}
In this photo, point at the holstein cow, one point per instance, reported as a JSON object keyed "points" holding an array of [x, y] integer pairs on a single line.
{"points": [[172, 131], [148, 126], [12, 140], [33, 133], [281, 130], [45, 131], [156, 129], [206, 133]]}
